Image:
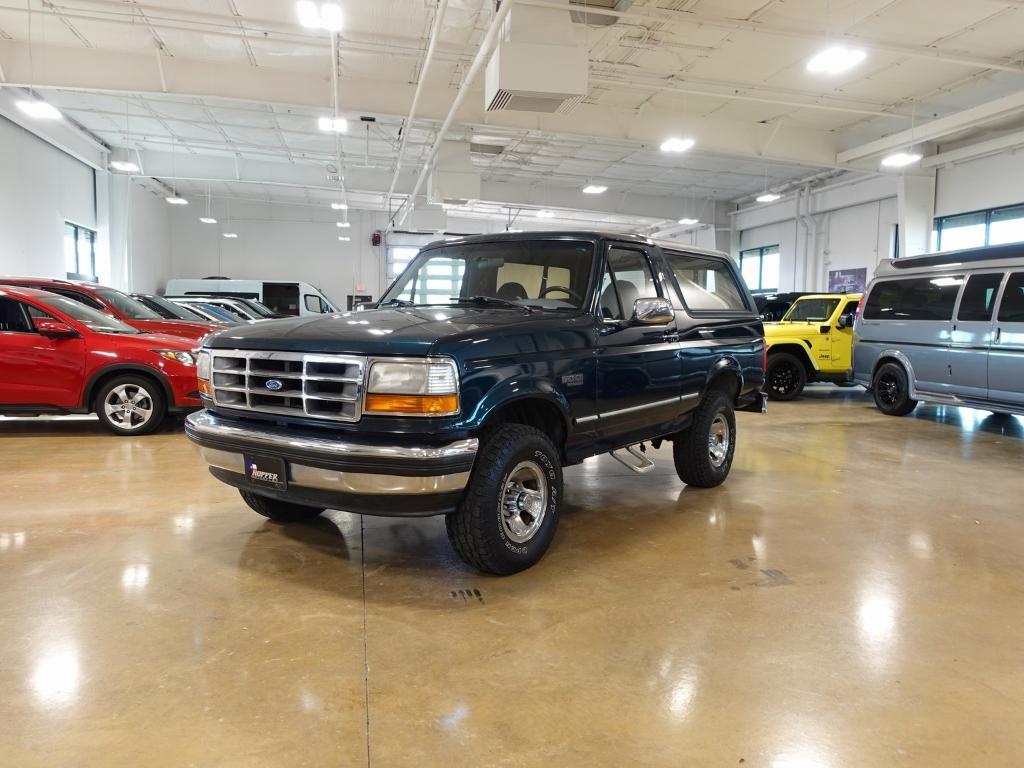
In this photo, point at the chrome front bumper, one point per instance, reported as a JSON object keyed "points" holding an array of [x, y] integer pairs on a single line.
{"points": [[340, 466]]}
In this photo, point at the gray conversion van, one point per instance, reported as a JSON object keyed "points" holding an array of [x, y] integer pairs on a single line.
{"points": [[945, 328]]}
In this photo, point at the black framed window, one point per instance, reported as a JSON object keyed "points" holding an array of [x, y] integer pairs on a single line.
{"points": [[995, 226], [80, 252], [760, 268]]}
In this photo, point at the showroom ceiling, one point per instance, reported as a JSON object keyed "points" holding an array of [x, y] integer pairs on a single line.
{"points": [[731, 73]]}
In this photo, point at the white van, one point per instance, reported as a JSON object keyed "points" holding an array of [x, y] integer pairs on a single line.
{"points": [[285, 297]]}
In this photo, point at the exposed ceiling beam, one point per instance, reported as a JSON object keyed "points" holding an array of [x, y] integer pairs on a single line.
{"points": [[972, 151], [63, 134], [936, 129]]}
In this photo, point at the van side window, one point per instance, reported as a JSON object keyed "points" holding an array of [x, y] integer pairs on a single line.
{"points": [[706, 284], [918, 298], [1011, 309], [979, 297]]}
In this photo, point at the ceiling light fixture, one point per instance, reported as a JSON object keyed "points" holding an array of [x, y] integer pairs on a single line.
{"points": [[901, 159], [326, 16], [175, 200], [39, 109], [339, 206], [343, 224], [768, 197], [689, 222], [231, 235], [344, 238], [545, 214], [594, 189], [207, 220], [124, 166], [676, 144], [835, 60], [332, 124]]}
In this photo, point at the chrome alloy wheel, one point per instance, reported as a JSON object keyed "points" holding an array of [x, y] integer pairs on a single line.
{"points": [[719, 439], [129, 406], [524, 501]]}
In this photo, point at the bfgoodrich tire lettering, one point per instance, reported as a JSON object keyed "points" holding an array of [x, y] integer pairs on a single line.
{"points": [[703, 452], [509, 513], [279, 511]]}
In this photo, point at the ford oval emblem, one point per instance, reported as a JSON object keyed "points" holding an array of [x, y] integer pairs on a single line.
{"points": [[273, 384]]}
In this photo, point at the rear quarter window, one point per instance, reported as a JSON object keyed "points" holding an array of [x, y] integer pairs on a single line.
{"points": [[916, 298], [706, 285]]}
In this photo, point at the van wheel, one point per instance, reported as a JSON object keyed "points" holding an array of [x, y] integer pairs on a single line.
{"points": [[703, 452], [509, 512], [892, 391], [277, 510], [786, 376], [130, 405]]}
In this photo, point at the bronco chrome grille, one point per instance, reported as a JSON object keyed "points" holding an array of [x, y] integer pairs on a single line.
{"points": [[289, 383]]}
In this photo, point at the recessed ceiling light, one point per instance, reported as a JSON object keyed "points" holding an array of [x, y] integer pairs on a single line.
{"points": [[689, 222], [676, 144], [835, 60], [175, 200], [231, 235], [343, 224], [327, 16], [332, 124], [39, 109], [344, 238], [124, 166], [339, 206], [768, 197], [900, 159], [544, 214], [594, 189], [207, 220]]}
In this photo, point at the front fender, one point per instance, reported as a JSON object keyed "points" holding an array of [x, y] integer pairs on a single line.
{"points": [[519, 389], [778, 341]]}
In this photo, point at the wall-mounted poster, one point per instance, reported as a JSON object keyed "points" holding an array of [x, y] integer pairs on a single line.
{"points": [[847, 280]]}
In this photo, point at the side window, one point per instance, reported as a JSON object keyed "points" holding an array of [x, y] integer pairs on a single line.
{"points": [[628, 278], [706, 284], [918, 298], [1011, 308], [12, 317], [850, 308], [313, 303], [979, 296]]}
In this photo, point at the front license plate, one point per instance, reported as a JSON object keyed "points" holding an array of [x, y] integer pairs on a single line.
{"points": [[270, 471]]}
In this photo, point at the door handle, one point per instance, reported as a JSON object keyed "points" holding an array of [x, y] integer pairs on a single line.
{"points": [[999, 333]]}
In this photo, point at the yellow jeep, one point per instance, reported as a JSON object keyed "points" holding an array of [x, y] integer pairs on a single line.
{"points": [[812, 342]]}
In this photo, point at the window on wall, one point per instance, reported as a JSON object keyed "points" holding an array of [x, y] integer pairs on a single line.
{"points": [[79, 252], [399, 257], [996, 226], [760, 268]]}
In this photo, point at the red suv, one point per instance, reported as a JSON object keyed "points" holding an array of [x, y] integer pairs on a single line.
{"points": [[58, 355], [113, 302]]}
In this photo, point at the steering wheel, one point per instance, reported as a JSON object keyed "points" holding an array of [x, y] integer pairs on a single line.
{"points": [[563, 289]]}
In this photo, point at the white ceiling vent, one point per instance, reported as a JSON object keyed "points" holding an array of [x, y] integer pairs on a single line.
{"points": [[598, 19], [536, 67], [454, 180]]}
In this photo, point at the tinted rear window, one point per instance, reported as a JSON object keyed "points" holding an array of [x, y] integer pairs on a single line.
{"points": [[706, 284], [1011, 309], [979, 296], [917, 298]]}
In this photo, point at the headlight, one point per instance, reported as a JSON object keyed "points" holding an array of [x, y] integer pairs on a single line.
{"points": [[185, 358], [416, 388], [203, 365]]}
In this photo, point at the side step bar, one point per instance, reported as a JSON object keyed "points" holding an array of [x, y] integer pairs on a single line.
{"points": [[642, 466]]}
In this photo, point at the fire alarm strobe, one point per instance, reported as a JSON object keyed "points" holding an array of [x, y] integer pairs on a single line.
{"points": [[376, 238]]}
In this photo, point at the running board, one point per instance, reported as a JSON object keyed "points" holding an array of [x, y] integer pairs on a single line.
{"points": [[643, 465]]}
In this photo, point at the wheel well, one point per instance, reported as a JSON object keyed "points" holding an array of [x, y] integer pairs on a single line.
{"points": [[104, 376], [798, 352], [533, 412], [727, 381], [889, 359]]}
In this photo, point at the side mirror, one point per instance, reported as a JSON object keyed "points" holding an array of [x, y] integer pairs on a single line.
{"points": [[846, 321], [653, 312], [53, 329]]}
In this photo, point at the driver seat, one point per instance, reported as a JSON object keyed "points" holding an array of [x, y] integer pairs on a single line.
{"points": [[512, 292]]}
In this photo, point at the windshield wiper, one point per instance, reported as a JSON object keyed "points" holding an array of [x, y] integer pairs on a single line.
{"points": [[489, 301], [397, 303]]}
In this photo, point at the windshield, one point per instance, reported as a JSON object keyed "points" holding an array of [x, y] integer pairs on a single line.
{"points": [[547, 274], [811, 309], [170, 309], [91, 318], [221, 313], [260, 309], [126, 305]]}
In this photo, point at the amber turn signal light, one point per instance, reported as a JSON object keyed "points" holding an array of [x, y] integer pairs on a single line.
{"points": [[428, 405], [205, 388]]}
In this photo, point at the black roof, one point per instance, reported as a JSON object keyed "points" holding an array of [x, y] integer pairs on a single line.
{"points": [[986, 253], [593, 235]]}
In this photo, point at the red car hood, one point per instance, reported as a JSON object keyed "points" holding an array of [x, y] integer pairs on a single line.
{"points": [[151, 341], [179, 328]]}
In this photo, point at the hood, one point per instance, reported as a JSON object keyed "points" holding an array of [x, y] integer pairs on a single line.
{"points": [[152, 341], [798, 328], [180, 328], [398, 331]]}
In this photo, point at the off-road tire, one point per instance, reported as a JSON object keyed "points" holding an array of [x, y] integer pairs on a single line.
{"points": [[279, 511], [690, 448], [777, 363], [891, 390], [475, 528]]}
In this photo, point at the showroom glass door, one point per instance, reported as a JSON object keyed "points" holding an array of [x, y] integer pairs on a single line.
{"points": [[1006, 357]]}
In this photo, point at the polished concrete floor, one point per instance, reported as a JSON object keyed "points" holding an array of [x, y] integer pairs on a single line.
{"points": [[851, 597]]}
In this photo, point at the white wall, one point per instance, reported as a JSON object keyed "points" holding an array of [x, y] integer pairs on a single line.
{"points": [[41, 187], [973, 185]]}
